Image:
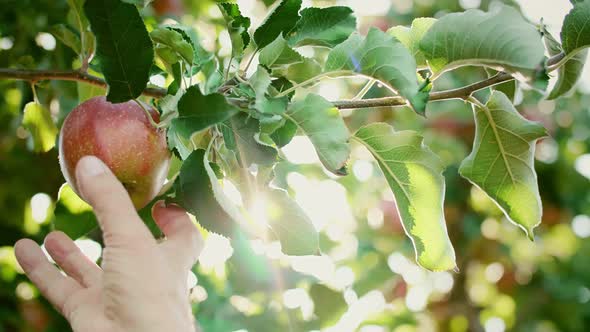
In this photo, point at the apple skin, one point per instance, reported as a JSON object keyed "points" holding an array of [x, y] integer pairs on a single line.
{"points": [[122, 136], [168, 7]]}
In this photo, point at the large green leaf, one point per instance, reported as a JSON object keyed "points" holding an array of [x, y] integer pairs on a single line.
{"points": [[414, 174], [384, 58], [502, 160], [240, 136], [124, 47], [501, 39], [197, 112], [37, 120], [570, 72], [175, 41], [323, 26], [238, 26], [197, 191], [321, 122], [412, 36], [282, 19], [575, 33], [291, 225]]}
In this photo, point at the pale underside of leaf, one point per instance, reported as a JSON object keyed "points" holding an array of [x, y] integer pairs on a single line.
{"points": [[414, 174], [502, 40], [575, 33], [382, 57], [502, 161], [321, 122]]}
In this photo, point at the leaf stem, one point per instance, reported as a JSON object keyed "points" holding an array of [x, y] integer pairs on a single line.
{"points": [[231, 58], [250, 60], [310, 81], [365, 89], [149, 116]]}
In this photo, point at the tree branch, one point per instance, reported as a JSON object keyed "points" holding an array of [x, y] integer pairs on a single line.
{"points": [[459, 93], [66, 75]]}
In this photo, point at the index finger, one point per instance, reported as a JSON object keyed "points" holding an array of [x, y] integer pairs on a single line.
{"points": [[114, 210]]}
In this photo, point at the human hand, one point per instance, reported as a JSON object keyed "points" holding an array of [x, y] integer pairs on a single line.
{"points": [[142, 285]]}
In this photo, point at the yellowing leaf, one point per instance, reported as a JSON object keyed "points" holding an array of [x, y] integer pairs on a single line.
{"points": [[502, 161], [414, 174], [38, 121]]}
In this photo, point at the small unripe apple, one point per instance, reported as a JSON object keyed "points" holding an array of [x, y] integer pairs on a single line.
{"points": [[122, 136]]}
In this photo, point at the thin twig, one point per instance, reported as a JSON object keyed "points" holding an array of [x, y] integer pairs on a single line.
{"points": [[459, 93]]}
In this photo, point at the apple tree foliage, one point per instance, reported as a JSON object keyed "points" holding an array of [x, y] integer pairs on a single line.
{"points": [[228, 117], [227, 120]]}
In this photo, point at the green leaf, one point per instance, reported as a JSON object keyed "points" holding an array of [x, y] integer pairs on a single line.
{"points": [[37, 120], [240, 133], [279, 54], [414, 174], [412, 36], [381, 57], [177, 82], [282, 19], [284, 134], [73, 216], [260, 82], [124, 47], [291, 225], [323, 27], [87, 40], [175, 41], [67, 36], [321, 122], [502, 40], [213, 76], [300, 72], [238, 26], [570, 72], [329, 305], [196, 190], [569, 75], [502, 160], [197, 112], [575, 33]]}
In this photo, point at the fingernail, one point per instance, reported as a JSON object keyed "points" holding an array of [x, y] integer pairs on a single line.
{"points": [[91, 166], [53, 244], [24, 255]]}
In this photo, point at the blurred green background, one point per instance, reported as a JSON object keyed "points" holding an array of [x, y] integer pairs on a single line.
{"points": [[367, 279]]}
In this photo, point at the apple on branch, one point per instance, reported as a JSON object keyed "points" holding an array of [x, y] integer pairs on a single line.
{"points": [[123, 137]]}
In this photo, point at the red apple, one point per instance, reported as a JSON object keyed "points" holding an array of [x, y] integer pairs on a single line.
{"points": [[122, 136], [168, 7]]}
